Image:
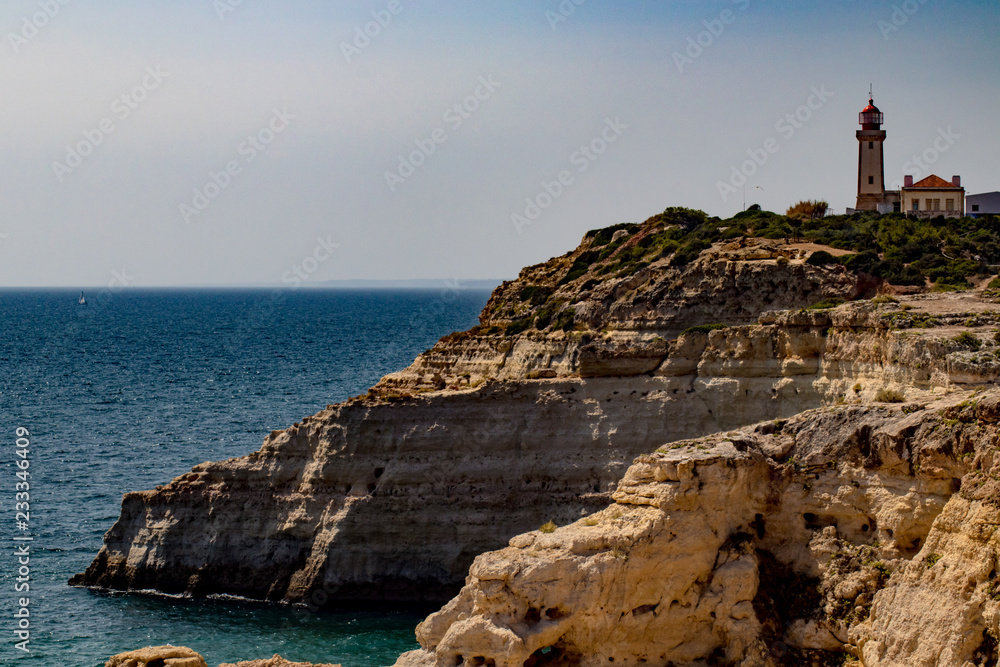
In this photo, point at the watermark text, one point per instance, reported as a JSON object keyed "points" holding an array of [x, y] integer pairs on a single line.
{"points": [[581, 160], [249, 149], [22, 539], [787, 126]]}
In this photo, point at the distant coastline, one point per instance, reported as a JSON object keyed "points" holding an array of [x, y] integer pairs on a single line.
{"points": [[419, 283], [413, 284]]}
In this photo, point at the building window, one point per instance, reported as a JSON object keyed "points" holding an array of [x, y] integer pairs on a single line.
{"points": [[927, 205], [949, 204], [871, 180], [871, 145], [975, 208], [937, 204], [916, 204]]}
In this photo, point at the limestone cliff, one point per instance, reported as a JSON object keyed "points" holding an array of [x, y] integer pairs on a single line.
{"points": [[869, 531], [392, 498], [576, 368]]}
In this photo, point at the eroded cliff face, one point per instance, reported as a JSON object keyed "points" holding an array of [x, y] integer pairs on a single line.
{"points": [[392, 496], [606, 325], [576, 368], [848, 530]]}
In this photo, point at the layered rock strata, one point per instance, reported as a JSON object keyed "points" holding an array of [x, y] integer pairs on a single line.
{"points": [[861, 531], [532, 416], [392, 499]]}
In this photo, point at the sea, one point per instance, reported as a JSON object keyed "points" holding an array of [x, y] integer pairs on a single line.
{"points": [[136, 387]]}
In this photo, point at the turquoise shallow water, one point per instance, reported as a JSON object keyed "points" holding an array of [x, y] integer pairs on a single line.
{"points": [[135, 388]]}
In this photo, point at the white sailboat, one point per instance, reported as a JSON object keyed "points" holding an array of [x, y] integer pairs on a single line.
{"points": [[82, 300]]}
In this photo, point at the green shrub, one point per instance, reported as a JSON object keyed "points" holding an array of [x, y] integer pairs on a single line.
{"points": [[517, 326], [535, 294], [704, 328], [864, 262], [548, 527], [631, 268], [943, 286], [565, 320], [883, 299], [886, 395], [580, 266], [821, 258], [826, 304], [603, 236], [966, 339], [689, 252], [995, 283]]}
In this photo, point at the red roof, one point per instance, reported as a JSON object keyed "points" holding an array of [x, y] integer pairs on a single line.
{"points": [[934, 182], [871, 107]]}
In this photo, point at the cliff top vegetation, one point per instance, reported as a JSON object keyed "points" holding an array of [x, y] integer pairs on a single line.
{"points": [[933, 254]]}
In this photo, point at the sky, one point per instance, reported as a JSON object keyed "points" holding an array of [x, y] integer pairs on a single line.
{"points": [[292, 142]]}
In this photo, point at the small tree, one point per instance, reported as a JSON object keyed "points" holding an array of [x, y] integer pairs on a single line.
{"points": [[808, 210]]}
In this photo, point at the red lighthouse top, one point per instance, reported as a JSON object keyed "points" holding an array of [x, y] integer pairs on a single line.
{"points": [[870, 117]]}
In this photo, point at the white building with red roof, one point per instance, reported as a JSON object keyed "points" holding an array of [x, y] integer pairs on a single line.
{"points": [[933, 196]]}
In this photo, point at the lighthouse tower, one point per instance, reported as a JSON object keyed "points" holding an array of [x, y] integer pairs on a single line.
{"points": [[871, 173]]}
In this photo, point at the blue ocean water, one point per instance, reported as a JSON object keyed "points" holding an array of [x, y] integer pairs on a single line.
{"points": [[136, 387]]}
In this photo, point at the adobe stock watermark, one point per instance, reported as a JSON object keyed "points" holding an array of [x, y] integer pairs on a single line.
{"points": [[295, 277], [33, 24], [363, 35], [562, 13], [249, 149], [900, 16], [920, 164], [123, 107], [454, 117], [22, 566], [704, 40], [581, 160], [299, 273], [225, 7], [787, 126]]}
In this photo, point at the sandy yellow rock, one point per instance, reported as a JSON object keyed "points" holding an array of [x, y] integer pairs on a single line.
{"points": [[276, 661], [717, 550], [158, 656]]}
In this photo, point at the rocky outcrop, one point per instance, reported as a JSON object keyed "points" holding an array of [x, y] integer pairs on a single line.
{"points": [[157, 656], [181, 656], [276, 661], [867, 531], [617, 325]]}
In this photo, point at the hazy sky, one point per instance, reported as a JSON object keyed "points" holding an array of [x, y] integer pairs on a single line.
{"points": [[228, 141]]}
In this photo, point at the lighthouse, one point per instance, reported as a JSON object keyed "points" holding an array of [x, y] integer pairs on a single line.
{"points": [[871, 172]]}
